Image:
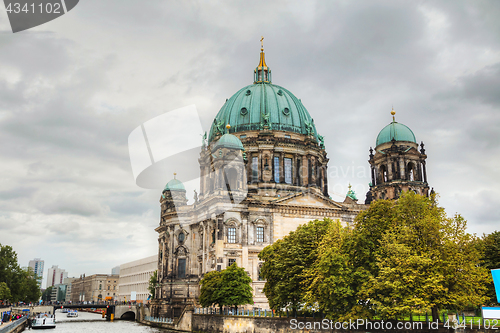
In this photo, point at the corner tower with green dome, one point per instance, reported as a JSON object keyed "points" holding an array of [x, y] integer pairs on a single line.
{"points": [[397, 164]]}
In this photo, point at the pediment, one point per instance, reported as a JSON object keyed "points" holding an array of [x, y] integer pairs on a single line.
{"points": [[308, 200]]}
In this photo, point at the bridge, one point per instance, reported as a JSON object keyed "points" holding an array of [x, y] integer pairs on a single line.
{"points": [[124, 312]]}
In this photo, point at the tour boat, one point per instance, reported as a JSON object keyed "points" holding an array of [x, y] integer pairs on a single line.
{"points": [[72, 313], [44, 321]]}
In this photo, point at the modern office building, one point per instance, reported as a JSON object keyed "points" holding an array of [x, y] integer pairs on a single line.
{"points": [[134, 279], [55, 276], [37, 266]]}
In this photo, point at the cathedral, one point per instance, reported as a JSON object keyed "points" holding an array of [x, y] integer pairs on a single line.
{"points": [[263, 172]]}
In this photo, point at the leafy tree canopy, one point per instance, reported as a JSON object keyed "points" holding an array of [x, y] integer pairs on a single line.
{"points": [[21, 283], [285, 262], [153, 283], [210, 284], [229, 287], [400, 256]]}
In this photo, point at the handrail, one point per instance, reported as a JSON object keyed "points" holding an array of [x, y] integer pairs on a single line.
{"points": [[14, 325]]}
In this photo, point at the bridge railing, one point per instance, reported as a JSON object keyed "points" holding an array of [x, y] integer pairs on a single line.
{"points": [[14, 325], [238, 312], [160, 320]]}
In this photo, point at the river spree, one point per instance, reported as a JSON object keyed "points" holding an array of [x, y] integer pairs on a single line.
{"points": [[93, 323]]}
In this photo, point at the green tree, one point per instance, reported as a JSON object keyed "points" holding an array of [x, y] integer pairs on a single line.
{"points": [[20, 282], [490, 248], [329, 282], [285, 262], [234, 287], [46, 294], [29, 290], [426, 261], [491, 251], [210, 285], [153, 283], [401, 256], [4, 292]]}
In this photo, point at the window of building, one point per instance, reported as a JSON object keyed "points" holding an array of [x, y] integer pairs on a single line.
{"points": [[231, 235], [260, 234], [108, 287], [259, 273], [181, 268], [287, 136], [288, 170], [231, 261], [114, 287], [243, 136], [100, 286], [276, 169], [255, 169]]}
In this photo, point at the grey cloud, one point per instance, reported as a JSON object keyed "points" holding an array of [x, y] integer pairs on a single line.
{"points": [[69, 203]]}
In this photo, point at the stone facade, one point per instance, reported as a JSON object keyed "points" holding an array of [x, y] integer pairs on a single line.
{"points": [[256, 186], [94, 288]]}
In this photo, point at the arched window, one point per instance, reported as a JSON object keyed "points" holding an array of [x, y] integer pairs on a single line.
{"points": [[255, 169], [231, 235], [411, 171], [383, 173], [231, 179]]}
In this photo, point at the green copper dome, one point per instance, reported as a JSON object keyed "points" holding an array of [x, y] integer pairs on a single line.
{"points": [[174, 185], [229, 141], [263, 106], [396, 131]]}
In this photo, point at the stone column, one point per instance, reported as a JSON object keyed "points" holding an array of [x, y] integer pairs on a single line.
{"points": [[171, 250], [425, 172], [204, 227], [418, 172], [282, 167], [402, 167], [160, 268], [325, 180], [373, 175], [305, 173], [294, 170], [164, 261], [389, 170], [261, 166]]}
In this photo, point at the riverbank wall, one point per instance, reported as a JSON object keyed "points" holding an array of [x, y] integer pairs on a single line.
{"points": [[206, 323]]}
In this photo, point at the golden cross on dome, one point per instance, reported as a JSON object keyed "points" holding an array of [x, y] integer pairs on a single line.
{"points": [[262, 43], [175, 174]]}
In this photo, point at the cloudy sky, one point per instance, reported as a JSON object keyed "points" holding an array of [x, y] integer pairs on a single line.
{"points": [[72, 90]]}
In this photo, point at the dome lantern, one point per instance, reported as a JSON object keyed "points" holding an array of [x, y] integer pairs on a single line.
{"points": [[262, 74]]}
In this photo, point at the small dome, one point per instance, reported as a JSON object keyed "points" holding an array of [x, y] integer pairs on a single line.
{"points": [[174, 185], [396, 131], [228, 141]]}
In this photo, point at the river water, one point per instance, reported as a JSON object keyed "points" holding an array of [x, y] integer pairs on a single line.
{"points": [[94, 323]]}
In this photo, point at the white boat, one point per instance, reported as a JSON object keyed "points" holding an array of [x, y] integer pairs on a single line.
{"points": [[43, 321], [72, 313]]}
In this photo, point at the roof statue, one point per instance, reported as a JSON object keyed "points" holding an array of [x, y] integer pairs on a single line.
{"points": [[351, 194]]}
